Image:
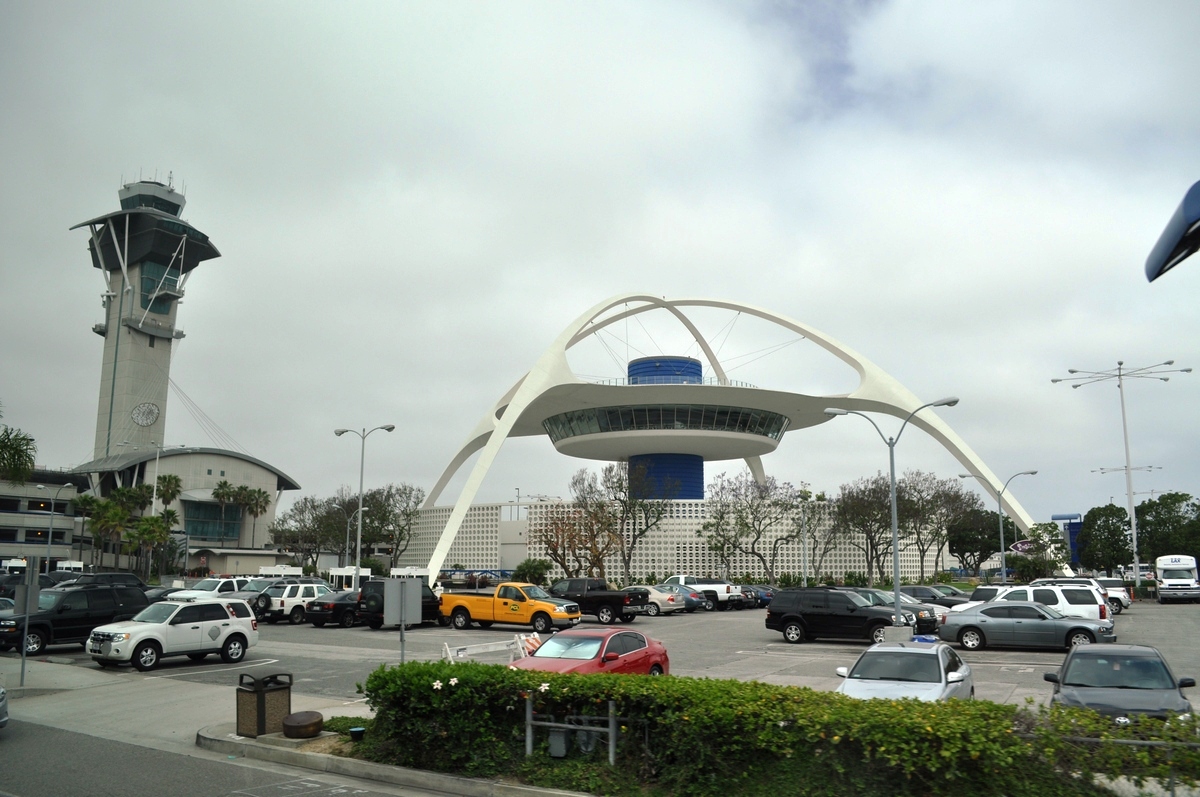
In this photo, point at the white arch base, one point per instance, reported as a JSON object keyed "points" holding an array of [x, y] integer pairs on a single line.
{"points": [[876, 392]]}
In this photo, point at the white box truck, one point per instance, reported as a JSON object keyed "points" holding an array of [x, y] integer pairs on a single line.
{"points": [[1177, 578]]}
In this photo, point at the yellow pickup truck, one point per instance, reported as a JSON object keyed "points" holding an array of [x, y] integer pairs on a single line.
{"points": [[510, 602]]}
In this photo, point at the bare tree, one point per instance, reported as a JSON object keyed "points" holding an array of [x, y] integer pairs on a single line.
{"points": [[932, 505], [392, 512], [598, 537], [756, 519], [557, 530], [302, 529], [638, 505]]}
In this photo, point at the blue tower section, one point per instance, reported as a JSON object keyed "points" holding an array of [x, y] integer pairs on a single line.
{"points": [[668, 476]]}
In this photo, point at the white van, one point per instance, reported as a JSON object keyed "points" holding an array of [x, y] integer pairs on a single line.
{"points": [[1177, 578]]}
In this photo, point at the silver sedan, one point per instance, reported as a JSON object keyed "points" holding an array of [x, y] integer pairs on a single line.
{"points": [[926, 671], [1022, 624]]}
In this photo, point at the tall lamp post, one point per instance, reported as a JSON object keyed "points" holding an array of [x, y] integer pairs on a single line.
{"points": [[361, 465], [1080, 378], [1000, 514], [890, 442], [349, 520], [33, 584]]}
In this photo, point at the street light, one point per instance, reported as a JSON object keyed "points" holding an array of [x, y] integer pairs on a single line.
{"points": [[349, 519], [1120, 373], [890, 442], [33, 584], [361, 464], [1000, 514]]}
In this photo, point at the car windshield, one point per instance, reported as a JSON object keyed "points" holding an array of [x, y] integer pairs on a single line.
{"points": [[537, 593], [858, 600], [569, 647], [1173, 573], [948, 590], [258, 584], [1117, 672], [156, 613], [887, 665], [207, 585]]}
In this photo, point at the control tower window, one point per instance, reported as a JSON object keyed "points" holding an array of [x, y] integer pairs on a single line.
{"points": [[153, 280]]}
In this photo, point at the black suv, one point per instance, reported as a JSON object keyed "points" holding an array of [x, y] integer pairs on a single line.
{"points": [[68, 615], [370, 604], [10, 582], [116, 579], [817, 612]]}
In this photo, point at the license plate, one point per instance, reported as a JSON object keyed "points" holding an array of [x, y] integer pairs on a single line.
{"points": [[575, 621], [95, 648]]}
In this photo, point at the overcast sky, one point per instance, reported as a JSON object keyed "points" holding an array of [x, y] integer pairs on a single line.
{"points": [[412, 200]]}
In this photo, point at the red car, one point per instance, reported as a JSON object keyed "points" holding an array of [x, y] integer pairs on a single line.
{"points": [[590, 650]]}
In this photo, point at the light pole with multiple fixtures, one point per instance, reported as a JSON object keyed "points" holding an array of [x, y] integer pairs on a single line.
{"points": [[361, 465], [1000, 514], [890, 442], [1121, 373]]}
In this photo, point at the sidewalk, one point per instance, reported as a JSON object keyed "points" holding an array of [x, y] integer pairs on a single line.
{"points": [[177, 716]]}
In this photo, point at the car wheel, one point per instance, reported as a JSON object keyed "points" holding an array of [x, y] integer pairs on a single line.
{"points": [[375, 623], [461, 619], [541, 623], [709, 604], [272, 619], [347, 619], [485, 623], [197, 656], [878, 633], [443, 620], [1077, 638], [793, 632], [145, 656], [104, 663], [653, 610], [972, 639], [296, 616], [35, 642], [656, 670], [690, 609], [605, 614], [628, 618], [1116, 607], [318, 623], [234, 650]]}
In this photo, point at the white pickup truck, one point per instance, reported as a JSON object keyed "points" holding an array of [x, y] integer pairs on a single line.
{"points": [[718, 594]]}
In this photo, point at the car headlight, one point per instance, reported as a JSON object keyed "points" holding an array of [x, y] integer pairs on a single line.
{"points": [[8, 623], [560, 609]]}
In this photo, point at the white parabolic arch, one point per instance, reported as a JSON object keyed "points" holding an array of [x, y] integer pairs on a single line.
{"points": [[876, 392]]}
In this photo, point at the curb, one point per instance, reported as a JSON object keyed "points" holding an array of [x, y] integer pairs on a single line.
{"points": [[224, 739]]}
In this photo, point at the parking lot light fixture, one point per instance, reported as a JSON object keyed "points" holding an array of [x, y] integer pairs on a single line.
{"points": [[361, 466], [1000, 514], [890, 442]]}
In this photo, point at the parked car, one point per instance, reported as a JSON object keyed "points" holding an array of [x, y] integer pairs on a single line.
{"points": [[67, 615], [926, 613], [155, 594], [195, 628], [951, 590], [288, 599], [926, 671], [1120, 681], [595, 650], [1073, 600], [982, 594], [339, 608], [824, 612], [371, 604], [214, 587], [661, 601], [1118, 594], [7, 603], [122, 579], [63, 576], [692, 600], [10, 582], [254, 591], [596, 596], [1030, 625], [719, 594], [763, 593], [927, 594]]}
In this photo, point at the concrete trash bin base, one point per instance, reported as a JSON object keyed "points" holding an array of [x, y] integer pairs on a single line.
{"points": [[263, 703]]}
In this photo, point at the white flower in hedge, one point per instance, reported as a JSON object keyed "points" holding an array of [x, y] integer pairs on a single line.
{"points": [[437, 684], [544, 688], [454, 682]]}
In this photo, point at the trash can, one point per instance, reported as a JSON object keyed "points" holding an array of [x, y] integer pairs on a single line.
{"points": [[262, 703]]}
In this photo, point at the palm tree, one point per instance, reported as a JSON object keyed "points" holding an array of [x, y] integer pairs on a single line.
{"points": [[109, 521], [169, 488], [145, 535], [85, 507], [170, 519], [17, 454], [223, 494], [257, 502]]}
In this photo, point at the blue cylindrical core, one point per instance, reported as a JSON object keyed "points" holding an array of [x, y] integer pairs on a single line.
{"points": [[668, 476], [664, 371]]}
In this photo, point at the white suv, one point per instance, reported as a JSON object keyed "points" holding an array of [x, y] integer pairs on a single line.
{"points": [[288, 600], [1071, 600], [192, 627], [212, 587]]}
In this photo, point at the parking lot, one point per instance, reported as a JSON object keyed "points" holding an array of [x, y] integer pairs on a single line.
{"points": [[332, 661]]}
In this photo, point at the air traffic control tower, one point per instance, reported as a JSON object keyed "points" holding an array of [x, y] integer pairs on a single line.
{"points": [[145, 253]]}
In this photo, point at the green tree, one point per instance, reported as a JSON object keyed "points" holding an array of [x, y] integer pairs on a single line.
{"points": [[256, 502], [1166, 525], [18, 454], [1044, 553], [391, 517], [533, 571], [863, 519], [170, 486], [85, 507], [109, 521], [932, 504], [974, 537], [224, 493], [146, 534], [302, 529], [1104, 538]]}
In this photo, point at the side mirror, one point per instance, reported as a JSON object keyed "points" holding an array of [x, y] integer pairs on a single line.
{"points": [[611, 657], [1052, 677], [843, 671], [1184, 683], [954, 678]]}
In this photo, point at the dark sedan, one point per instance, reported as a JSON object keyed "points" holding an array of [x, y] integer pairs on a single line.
{"points": [[339, 608], [930, 595], [1120, 681]]}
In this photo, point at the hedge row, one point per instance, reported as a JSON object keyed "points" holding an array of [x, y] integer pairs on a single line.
{"points": [[700, 737]]}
